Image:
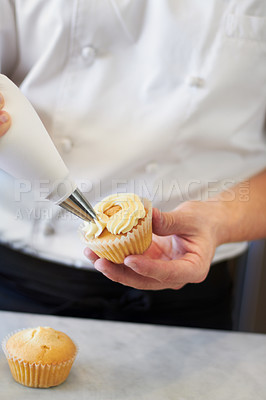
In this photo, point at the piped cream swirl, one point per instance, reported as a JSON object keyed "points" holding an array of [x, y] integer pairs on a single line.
{"points": [[130, 210]]}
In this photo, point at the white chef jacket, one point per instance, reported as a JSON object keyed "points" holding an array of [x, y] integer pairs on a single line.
{"points": [[164, 98]]}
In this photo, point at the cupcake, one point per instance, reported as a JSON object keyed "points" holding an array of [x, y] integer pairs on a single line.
{"points": [[124, 227], [39, 357]]}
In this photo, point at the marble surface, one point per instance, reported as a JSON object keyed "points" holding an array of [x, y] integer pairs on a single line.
{"points": [[135, 361]]}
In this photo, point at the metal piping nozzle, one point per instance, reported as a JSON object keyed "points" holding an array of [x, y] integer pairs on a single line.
{"points": [[78, 205]]}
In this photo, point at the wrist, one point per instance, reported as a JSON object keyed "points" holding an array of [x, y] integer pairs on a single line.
{"points": [[221, 220]]}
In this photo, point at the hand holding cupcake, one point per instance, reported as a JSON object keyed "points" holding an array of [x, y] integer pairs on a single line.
{"points": [[182, 248]]}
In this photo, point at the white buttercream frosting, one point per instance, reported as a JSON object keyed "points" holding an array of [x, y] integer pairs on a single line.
{"points": [[130, 209]]}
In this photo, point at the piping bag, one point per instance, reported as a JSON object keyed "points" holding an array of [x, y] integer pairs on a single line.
{"points": [[27, 152]]}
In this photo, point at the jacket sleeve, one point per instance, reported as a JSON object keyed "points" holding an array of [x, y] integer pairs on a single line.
{"points": [[8, 37]]}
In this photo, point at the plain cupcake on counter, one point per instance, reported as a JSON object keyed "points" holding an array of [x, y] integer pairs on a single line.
{"points": [[39, 357]]}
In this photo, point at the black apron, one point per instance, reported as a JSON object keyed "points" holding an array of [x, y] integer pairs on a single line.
{"points": [[30, 284]]}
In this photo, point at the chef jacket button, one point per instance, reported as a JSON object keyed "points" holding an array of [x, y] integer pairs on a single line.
{"points": [[48, 229], [88, 54], [151, 167], [195, 81], [66, 145]]}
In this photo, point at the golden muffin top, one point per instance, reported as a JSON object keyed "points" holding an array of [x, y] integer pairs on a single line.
{"points": [[41, 345]]}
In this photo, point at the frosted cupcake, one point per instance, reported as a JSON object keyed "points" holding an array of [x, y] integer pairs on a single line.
{"points": [[39, 357], [124, 227]]}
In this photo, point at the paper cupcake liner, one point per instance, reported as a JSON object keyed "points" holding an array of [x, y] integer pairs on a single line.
{"points": [[37, 375], [134, 242]]}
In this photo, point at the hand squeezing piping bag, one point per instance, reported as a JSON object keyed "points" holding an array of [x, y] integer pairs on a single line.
{"points": [[27, 152]]}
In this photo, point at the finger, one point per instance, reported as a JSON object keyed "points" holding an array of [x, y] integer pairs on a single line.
{"points": [[187, 269], [90, 255], [126, 276], [2, 101], [5, 122], [166, 223]]}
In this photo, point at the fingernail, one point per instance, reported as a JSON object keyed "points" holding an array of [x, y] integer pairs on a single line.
{"points": [[98, 268], [90, 256], [161, 216], [3, 118], [86, 251], [130, 264]]}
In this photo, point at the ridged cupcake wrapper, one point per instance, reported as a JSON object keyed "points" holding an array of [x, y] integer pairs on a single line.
{"points": [[37, 375], [134, 242]]}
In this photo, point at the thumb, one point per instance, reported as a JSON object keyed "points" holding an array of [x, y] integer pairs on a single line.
{"points": [[165, 223]]}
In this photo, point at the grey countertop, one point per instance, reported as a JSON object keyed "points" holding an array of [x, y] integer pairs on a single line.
{"points": [[136, 361]]}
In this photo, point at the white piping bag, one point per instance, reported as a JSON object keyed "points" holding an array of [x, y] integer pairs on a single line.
{"points": [[27, 152]]}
